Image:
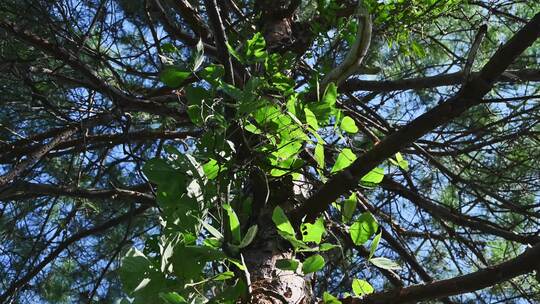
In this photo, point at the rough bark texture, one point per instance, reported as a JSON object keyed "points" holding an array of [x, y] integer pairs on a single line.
{"points": [[270, 284]]}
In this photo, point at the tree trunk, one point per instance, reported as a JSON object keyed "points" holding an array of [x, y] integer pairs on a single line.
{"points": [[269, 284]]}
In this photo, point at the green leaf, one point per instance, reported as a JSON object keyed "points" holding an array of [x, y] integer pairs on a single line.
{"points": [[197, 98], [139, 277], [237, 263], [256, 47], [232, 91], [189, 261], [248, 238], [311, 119], [287, 264], [224, 276], [212, 73], [348, 125], [211, 169], [319, 155], [292, 102], [233, 52], [349, 206], [384, 263], [283, 83], [417, 49], [198, 57], [282, 222], [234, 224], [313, 263], [252, 128], [296, 243], [401, 162], [133, 267], [231, 293], [213, 242], [160, 172], [361, 287], [174, 76], [286, 153], [327, 246], [172, 298], [168, 47], [213, 231], [374, 245], [363, 228], [330, 95], [345, 158], [313, 232], [374, 176], [330, 299]]}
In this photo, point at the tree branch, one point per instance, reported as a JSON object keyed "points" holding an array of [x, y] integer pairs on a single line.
{"points": [[44, 149], [469, 96], [64, 245], [459, 219], [118, 97], [220, 39], [526, 262], [353, 85], [24, 190]]}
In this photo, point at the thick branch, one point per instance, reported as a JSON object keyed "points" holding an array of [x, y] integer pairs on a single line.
{"points": [[527, 262], [352, 85], [469, 96]]}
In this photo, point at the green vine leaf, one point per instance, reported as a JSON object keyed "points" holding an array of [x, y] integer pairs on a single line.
{"points": [[361, 287], [288, 264], [282, 222], [224, 276], [374, 177], [384, 263], [313, 263], [172, 298], [248, 238], [234, 224], [313, 232], [374, 245], [311, 119], [349, 206], [256, 48], [327, 246], [211, 169], [319, 155], [400, 162], [330, 95], [174, 76], [345, 158], [363, 229], [158, 171], [330, 299], [348, 125]]}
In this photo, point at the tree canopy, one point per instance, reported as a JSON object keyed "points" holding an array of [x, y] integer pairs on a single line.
{"points": [[269, 151]]}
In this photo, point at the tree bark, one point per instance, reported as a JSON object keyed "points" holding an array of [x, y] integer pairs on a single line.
{"points": [[269, 284]]}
